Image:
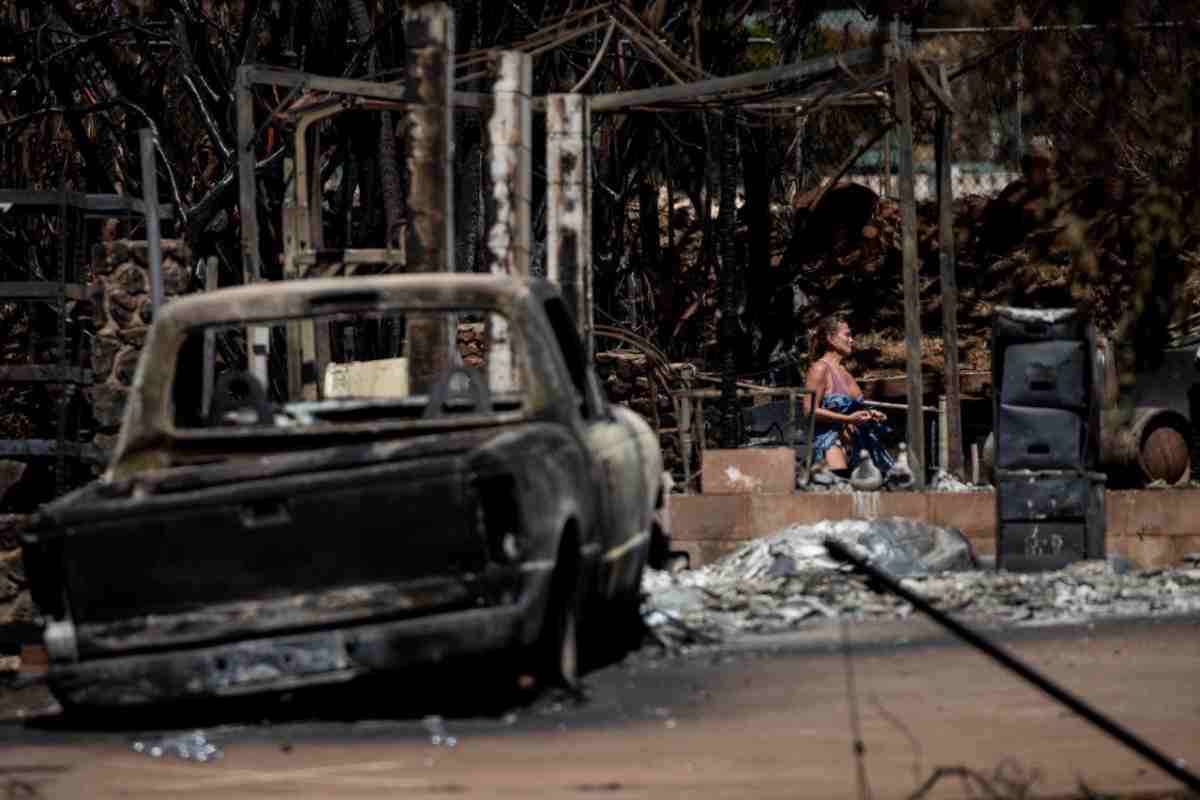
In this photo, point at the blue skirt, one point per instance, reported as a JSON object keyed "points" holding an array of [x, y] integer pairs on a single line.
{"points": [[867, 436]]}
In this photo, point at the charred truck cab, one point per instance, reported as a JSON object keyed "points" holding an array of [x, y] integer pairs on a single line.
{"points": [[413, 504]]}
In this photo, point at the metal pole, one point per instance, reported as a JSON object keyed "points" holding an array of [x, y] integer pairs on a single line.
{"points": [[153, 234], [841, 552], [902, 46]]}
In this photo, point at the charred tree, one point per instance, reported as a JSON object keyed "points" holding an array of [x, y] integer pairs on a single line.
{"points": [[756, 215], [389, 167]]}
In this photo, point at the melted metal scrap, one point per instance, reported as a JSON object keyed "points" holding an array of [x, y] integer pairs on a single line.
{"points": [[193, 746]]}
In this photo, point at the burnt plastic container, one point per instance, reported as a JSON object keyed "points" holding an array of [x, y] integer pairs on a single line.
{"points": [[1040, 439], [1046, 375]]}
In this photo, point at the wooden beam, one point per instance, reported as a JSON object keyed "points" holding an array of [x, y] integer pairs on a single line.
{"points": [[746, 80], [860, 86], [912, 286], [943, 96], [954, 444], [276, 76]]}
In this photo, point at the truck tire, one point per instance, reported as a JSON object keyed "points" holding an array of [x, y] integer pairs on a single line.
{"points": [[557, 650]]}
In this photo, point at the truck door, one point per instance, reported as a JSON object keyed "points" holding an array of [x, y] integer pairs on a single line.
{"points": [[614, 451]]}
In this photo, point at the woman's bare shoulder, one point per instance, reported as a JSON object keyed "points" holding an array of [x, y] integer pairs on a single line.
{"points": [[817, 370]]}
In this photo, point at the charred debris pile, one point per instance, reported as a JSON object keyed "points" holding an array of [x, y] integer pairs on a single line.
{"points": [[786, 582]]}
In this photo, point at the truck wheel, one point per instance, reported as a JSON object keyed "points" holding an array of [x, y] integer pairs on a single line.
{"points": [[558, 649]]}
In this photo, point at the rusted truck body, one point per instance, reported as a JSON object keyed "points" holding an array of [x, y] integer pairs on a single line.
{"points": [[245, 541]]}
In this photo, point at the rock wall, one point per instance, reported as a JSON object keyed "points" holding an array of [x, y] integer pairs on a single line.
{"points": [[16, 609], [121, 295]]}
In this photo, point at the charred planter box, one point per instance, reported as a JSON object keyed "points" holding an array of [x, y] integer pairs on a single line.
{"points": [[1040, 439], [1046, 375], [1048, 519]]}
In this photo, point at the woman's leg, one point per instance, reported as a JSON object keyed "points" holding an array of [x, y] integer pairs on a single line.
{"points": [[835, 457]]}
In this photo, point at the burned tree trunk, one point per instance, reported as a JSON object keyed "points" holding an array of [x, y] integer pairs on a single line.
{"points": [[760, 288], [389, 168], [649, 224]]}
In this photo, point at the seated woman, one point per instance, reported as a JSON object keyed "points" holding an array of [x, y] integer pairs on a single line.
{"points": [[844, 426]]}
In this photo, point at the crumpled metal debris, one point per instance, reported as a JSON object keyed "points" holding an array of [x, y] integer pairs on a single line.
{"points": [[783, 582], [192, 746]]}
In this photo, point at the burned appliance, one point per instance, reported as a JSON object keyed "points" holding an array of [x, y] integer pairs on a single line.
{"points": [[1049, 498]]}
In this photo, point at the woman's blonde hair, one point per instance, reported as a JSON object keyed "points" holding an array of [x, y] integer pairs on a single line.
{"points": [[826, 326]]}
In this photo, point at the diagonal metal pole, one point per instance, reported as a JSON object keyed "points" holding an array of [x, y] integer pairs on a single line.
{"points": [[844, 554], [153, 233]]}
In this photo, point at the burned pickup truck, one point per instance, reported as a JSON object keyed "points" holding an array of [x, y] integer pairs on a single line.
{"points": [[434, 472]]}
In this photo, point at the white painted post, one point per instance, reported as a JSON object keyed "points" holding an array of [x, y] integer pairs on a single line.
{"points": [[509, 134], [509, 157], [569, 205]]}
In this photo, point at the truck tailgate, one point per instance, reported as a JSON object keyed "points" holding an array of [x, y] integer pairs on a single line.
{"points": [[276, 553]]}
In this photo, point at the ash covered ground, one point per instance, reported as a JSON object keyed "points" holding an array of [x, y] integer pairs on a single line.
{"points": [[786, 581]]}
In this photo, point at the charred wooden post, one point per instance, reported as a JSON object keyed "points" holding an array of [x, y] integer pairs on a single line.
{"points": [[953, 421], [902, 47], [429, 33], [507, 136], [728, 328], [258, 340], [211, 265], [569, 205], [251, 260], [306, 232]]}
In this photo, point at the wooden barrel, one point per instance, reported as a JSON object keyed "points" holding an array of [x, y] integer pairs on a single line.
{"points": [[1163, 453], [1152, 447]]}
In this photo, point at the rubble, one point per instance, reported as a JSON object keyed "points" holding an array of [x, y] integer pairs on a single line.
{"points": [[192, 746], [945, 482], [786, 581]]}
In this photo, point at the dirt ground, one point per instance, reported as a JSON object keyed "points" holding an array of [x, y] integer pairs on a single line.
{"points": [[742, 722]]}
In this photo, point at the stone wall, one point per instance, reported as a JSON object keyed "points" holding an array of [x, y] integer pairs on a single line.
{"points": [[121, 295], [16, 609]]}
